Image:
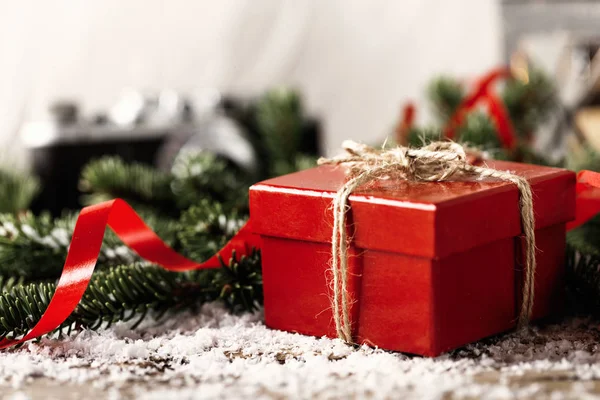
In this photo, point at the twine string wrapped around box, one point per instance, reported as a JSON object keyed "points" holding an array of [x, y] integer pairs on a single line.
{"points": [[436, 162]]}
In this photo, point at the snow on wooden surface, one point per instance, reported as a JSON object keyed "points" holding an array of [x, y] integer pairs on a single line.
{"points": [[213, 354]]}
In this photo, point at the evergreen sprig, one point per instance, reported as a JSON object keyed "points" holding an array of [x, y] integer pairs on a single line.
{"points": [[583, 158], [34, 247], [205, 228], [200, 175], [9, 282], [478, 130], [132, 292], [418, 137], [144, 187], [445, 94], [529, 102], [17, 191], [240, 282], [279, 120], [195, 176]]}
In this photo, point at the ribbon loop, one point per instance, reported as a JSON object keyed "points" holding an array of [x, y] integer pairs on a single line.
{"points": [[482, 93]]}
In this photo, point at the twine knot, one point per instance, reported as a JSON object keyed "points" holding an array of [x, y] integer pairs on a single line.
{"points": [[435, 162]]}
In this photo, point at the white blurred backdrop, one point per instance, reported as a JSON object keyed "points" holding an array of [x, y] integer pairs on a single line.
{"points": [[356, 61]]}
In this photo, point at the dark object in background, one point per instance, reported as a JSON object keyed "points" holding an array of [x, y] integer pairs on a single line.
{"points": [[232, 128], [220, 129], [64, 112], [58, 162], [148, 130]]}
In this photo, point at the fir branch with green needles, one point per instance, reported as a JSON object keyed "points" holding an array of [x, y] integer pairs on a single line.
{"points": [[195, 176], [34, 247], [583, 158], [144, 187], [478, 130], [9, 282], [238, 283], [418, 137], [279, 119], [17, 191], [201, 175], [529, 102], [205, 228], [132, 292]]}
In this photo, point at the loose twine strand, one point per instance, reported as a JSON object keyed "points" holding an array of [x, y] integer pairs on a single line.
{"points": [[436, 162]]}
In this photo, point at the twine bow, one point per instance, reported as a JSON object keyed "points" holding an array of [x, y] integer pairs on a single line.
{"points": [[436, 162]]}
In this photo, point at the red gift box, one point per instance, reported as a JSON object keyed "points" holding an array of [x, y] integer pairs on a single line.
{"points": [[433, 265]]}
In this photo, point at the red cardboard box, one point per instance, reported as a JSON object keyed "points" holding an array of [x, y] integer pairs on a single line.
{"points": [[433, 265]]}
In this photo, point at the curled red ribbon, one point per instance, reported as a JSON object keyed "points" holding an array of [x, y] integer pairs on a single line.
{"points": [[482, 93], [131, 229]]}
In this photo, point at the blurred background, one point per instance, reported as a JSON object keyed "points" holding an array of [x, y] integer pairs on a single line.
{"points": [[353, 60], [144, 80]]}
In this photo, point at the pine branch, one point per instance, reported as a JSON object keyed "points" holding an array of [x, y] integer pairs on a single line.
{"points": [[279, 119], [201, 175], [195, 176], [9, 282], [478, 130], [35, 247], [142, 186], [205, 228], [529, 103], [445, 94], [418, 137], [130, 293], [584, 158], [17, 191], [304, 161], [240, 283]]}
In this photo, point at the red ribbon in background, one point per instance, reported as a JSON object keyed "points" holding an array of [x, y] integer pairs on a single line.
{"points": [[407, 119], [588, 182], [588, 198], [131, 229], [482, 93]]}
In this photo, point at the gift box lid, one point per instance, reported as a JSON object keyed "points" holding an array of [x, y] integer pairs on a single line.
{"points": [[429, 219]]}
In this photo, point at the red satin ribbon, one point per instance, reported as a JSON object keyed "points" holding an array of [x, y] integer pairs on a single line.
{"points": [[131, 229], [588, 198], [405, 124], [482, 93]]}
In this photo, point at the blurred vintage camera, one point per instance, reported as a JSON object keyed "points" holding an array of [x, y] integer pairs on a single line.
{"points": [[146, 128]]}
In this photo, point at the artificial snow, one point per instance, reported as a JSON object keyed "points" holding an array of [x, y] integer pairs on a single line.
{"points": [[214, 354]]}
